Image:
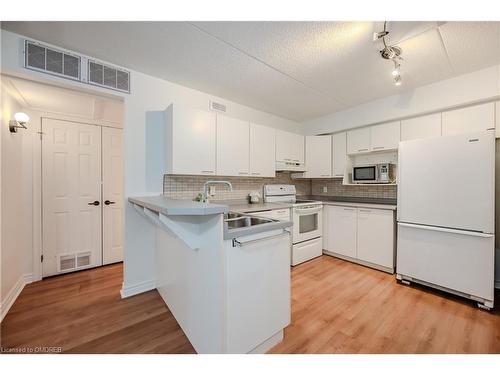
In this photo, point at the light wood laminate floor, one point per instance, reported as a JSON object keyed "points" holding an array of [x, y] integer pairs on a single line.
{"points": [[337, 307]]}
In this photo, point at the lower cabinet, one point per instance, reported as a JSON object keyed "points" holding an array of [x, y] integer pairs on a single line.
{"points": [[375, 237], [364, 235], [339, 230]]}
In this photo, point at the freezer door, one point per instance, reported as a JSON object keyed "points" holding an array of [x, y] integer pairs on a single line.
{"points": [[458, 260], [448, 181]]}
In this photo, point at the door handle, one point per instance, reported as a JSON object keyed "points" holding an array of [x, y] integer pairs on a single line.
{"points": [[94, 203], [107, 202]]}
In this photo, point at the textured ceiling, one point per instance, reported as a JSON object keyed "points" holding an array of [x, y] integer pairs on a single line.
{"points": [[298, 70]]}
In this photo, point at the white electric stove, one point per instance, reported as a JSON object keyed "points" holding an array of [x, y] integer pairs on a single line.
{"points": [[307, 222]]}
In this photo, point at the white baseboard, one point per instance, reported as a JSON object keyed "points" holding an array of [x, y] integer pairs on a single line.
{"points": [[132, 290], [12, 295]]}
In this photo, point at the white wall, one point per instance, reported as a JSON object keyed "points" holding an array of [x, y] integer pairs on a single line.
{"points": [[469, 88], [148, 94], [16, 224]]}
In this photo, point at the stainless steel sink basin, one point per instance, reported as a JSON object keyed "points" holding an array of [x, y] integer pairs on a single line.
{"points": [[238, 223], [235, 220]]}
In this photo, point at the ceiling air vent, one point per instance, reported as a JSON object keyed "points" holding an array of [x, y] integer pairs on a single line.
{"points": [[214, 106], [52, 61], [107, 76]]}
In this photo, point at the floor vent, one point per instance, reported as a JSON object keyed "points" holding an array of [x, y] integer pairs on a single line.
{"points": [[52, 61], [107, 76], [71, 262], [65, 64]]}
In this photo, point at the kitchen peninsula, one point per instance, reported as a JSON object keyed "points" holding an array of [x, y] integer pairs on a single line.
{"points": [[225, 276]]}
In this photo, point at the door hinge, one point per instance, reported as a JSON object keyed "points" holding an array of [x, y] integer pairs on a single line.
{"points": [[41, 258]]}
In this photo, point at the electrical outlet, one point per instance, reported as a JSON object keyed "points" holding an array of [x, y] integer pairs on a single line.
{"points": [[325, 189], [211, 190]]}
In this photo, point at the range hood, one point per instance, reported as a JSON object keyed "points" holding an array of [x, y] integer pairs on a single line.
{"points": [[288, 166]]}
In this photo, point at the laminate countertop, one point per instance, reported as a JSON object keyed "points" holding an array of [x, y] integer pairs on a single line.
{"points": [[378, 203], [169, 206]]}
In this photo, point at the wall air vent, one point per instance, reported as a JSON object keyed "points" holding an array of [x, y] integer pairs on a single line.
{"points": [[65, 64], [52, 61], [214, 106], [107, 76]]}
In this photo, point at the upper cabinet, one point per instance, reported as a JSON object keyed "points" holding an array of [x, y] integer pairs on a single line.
{"points": [[289, 147], [358, 141], [421, 127], [339, 153], [385, 136], [262, 151], [233, 142], [318, 156], [191, 146], [469, 120]]}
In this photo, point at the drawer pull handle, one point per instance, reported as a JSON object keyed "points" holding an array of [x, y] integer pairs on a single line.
{"points": [[378, 147]]}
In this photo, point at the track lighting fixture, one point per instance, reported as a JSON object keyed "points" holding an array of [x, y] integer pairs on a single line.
{"points": [[392, 53]]}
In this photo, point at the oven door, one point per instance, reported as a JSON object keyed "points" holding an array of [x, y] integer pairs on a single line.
{"points": [[307, 222], [367, 173]]}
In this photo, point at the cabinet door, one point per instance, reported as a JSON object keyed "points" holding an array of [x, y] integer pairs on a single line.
{"points": [[233, 143], [289, 147], [193, 142], [339, 154], [375, 238], [318, 156], [421, 127], [469, 120], [112, 195], [385, 136], [358, 141], [340, 231], [262, 151]]}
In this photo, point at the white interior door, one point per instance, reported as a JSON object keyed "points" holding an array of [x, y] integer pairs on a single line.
{"points": [[112, 195], [71, 196]]}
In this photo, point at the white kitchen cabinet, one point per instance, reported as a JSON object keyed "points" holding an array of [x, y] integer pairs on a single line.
{"points": [[262, 151], [233, 146], [318, 156], [289, 147], [421, 127], [358, 141], [469, 120], [339, 153], [191, 136], [375, 236], [385, 136], [339, 230]]}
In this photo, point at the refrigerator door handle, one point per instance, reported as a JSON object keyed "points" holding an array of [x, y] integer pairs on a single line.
{"points": [[447, 230]]}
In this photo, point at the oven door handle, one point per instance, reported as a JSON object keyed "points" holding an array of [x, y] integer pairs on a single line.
{"points": [[306, 211]]}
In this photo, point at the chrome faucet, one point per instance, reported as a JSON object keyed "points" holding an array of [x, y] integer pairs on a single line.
{"points": [[208, 183]]}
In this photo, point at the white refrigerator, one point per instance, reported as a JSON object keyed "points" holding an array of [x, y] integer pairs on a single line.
{"points": [[446, 210]]}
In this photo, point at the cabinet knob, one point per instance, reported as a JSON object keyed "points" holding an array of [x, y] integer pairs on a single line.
{"points": [[107, 202], [94, 203]]}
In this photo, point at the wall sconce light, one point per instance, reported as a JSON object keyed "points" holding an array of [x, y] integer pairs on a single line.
{"points": [[19, 122]]}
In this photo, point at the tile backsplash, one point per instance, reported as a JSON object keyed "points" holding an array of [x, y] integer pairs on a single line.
{"points": [[188, 187], [335, 188]]}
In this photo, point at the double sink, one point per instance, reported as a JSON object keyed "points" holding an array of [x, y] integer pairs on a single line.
{"points": [[235, 220], [237, 224]]}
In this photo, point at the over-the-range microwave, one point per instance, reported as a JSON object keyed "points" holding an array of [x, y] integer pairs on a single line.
{"points": [[373, 174]]}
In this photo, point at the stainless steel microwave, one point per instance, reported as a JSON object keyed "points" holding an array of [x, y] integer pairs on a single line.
{"points": [[373, 174]]}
